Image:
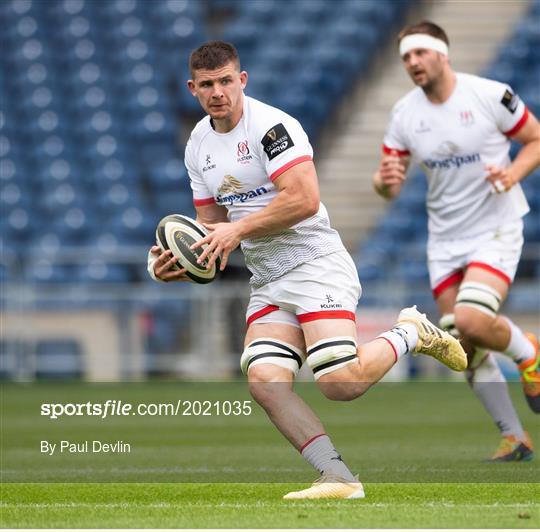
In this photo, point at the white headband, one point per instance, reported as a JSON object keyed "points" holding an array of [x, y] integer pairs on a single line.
{"points": [[422, 40]]}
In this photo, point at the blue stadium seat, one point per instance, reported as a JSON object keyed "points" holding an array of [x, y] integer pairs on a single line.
{"points": [[163, 330], [99, 271], [243, 33], [132, 226], [531, 227], [15, 224], [524, 298], [171, 202], [58, 358], [44, 270], [412, 270], [266, 13]]}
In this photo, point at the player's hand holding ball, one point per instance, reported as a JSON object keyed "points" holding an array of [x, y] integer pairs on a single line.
{"points": [[221, 241], [165, 265], [175, 258]]}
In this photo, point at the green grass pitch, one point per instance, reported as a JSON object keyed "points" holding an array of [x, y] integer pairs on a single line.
{"points": [[418, 448]]}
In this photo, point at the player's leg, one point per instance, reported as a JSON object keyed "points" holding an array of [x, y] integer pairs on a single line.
{"points": [[486, 381], [476, 316], [274, 351], [324, 294], [271, 376], [342, 369], [351, 378]]}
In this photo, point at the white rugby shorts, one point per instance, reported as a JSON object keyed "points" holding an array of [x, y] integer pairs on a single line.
{"points": [[497, 251], [325, 288]]}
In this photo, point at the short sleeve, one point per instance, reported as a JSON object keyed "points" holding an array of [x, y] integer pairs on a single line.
{"points": [[509, 111], [394, 140], [201, 194], [284, 145]]}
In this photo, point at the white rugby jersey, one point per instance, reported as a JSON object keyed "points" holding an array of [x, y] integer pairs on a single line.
{"points": [[237, 169], [453, 142]]}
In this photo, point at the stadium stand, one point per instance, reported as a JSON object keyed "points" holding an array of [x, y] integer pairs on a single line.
{"points": [[95, 102], [94, 106], [94, 113]]}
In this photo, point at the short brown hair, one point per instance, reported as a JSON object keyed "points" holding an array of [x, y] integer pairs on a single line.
{"points": [[212, 55], [427, 27]]}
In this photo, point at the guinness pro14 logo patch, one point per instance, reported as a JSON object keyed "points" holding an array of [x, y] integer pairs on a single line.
{"points": [[276, 140]]}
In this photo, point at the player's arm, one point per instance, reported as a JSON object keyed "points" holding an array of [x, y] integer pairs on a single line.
{"points": [[526, 161], [297, 199], [211, 214], [389, 177]]}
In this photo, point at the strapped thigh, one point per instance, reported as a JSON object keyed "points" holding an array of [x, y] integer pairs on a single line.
{"points": [[331, 354], [479, 296], [271, 351]]}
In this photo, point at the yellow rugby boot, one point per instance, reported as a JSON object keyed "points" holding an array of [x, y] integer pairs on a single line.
{"points": [[330, 487], [433, 341]]}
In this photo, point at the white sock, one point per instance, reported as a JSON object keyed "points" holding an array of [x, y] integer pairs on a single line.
{"points": [[403, 338], [520, 347], [321, 454], [489, 385]]}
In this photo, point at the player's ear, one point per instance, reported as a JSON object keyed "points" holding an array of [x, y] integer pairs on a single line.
{"points": [[191, 87], [243, 79]]}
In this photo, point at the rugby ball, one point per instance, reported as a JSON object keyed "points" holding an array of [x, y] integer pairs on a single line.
{"points": [[177, 233]]}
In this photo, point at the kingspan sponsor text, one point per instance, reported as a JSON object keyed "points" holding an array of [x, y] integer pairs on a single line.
{"points": [[241, 197], [455, 160]]}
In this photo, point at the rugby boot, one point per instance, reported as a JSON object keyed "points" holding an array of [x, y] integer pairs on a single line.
{"points": [[530, 377], [433, 341], [330, 487], [513, 450]]}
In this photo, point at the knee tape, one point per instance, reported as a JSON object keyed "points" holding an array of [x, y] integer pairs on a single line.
{"points": [[331, 354], [480, 297], [271, 351], [448, 323]]}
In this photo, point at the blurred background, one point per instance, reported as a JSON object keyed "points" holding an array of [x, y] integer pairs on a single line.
{"points": [[94, 118]]}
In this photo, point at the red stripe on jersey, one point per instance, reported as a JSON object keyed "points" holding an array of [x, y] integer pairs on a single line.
{"points": [[452, 279], [491, 269], [400, 153], [204, 201], [519, 125], [260, 313], [326, 315], [290, 164], [310, 441]]}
